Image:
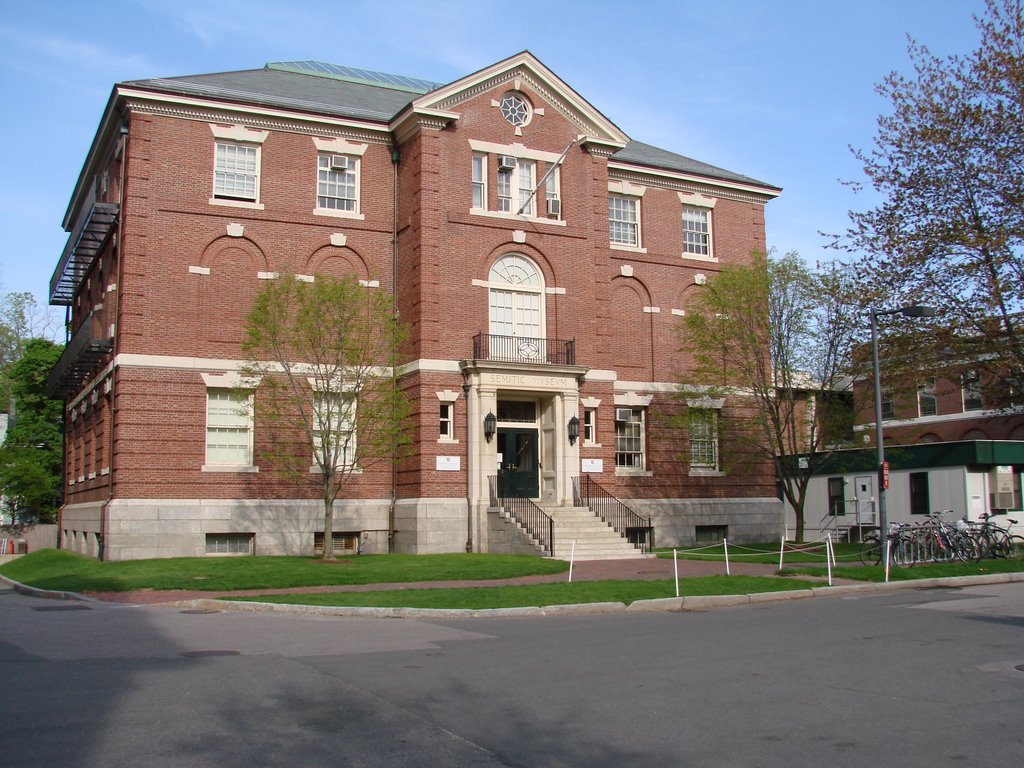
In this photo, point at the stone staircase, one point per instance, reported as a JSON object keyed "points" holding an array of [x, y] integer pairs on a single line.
{"points": [[595, 539]]}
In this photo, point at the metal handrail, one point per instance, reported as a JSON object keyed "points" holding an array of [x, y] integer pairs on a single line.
{"points": [[634, 528], [539, 525]]}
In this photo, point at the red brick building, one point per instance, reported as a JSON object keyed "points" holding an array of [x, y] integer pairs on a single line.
{"points": [[540, 257]]}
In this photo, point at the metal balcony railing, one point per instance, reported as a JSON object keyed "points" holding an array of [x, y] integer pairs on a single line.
{"points": [[523, 349], [80, 357]]}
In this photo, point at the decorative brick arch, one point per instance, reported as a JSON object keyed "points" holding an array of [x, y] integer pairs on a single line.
{"points": [[226, 293], [975, 434], [544, 264], [336, 262], [630, 302]]}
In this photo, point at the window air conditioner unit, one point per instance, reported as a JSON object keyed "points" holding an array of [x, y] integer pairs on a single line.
{"points": [[623, 414], [340, 163], [554, 207], [506, 162]]}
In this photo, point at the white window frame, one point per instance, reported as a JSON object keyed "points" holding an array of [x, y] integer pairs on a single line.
{"points": [[446, 422], [697, 243], [225, 169], [238, 422], [344, 421], [927, 391], [704, 440], [970, 387], [479, 175], [516, 298], [699, 204], [328, 177], [635, 429], [590, 426], [511, 193], [624, 223]]}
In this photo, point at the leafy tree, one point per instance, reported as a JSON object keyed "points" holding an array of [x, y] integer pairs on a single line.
{"points": [[21, 319], [31, 456], [322, 358], [777, 335], [948, 162]]}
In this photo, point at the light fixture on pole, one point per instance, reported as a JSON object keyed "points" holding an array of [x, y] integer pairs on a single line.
{"points": [[914, 310]]}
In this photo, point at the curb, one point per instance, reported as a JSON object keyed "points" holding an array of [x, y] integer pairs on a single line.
{"points": [[665, 604]]}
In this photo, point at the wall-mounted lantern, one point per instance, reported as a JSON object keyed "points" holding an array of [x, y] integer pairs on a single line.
{"points": [[490, 426], [574, 430]]}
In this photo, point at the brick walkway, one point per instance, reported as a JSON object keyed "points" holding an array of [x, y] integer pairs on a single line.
{"points": [[586, 570]]}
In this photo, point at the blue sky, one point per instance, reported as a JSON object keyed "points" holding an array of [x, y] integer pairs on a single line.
{"points": [[778, 90]]}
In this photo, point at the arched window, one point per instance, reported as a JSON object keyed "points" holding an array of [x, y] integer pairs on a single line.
{"points": [[517, 302]]}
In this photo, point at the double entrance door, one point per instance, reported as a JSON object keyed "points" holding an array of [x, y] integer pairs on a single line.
{"points": [[518, 462]]}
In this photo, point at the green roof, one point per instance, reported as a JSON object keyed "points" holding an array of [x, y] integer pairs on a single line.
{"points": [[976, 453]]}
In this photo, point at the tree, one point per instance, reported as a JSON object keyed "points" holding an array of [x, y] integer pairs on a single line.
{"points": [[949, 163], [21, 319], [778, 335], [321, 357], [32, 453]]}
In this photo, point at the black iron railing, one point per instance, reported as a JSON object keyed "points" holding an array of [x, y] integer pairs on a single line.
{"points": [[82, 354], [539, 525], [523, 349], [637, 530]]}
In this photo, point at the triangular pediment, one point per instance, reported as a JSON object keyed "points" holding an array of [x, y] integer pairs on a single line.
{"points": [[519, 71]]}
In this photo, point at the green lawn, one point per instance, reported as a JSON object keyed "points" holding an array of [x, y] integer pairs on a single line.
{"points": [[921, 571], [60, 570], [767, 553], [540, 594]]}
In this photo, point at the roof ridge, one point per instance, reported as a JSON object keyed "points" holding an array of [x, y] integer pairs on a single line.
{"points": [[355, 75]]}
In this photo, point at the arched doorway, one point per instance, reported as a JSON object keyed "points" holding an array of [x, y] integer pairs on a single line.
{"points": [[516, 310]]}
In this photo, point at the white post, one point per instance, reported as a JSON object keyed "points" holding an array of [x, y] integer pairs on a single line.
{"points": [[886, 559], [725, 544], [828, 558], [675, 567], [572, 558], [782, 549]]}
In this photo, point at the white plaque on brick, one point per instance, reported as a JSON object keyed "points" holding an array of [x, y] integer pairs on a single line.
{"points": [[449, 463], [592, 465]]}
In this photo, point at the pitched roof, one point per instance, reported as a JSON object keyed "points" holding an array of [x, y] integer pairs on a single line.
{"points": [[360, 94]]}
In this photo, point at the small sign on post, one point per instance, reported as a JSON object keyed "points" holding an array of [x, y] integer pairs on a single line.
{"points": [[885, 475]]}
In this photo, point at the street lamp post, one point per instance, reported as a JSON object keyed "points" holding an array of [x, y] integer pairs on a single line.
{"points": [[914, 310]]}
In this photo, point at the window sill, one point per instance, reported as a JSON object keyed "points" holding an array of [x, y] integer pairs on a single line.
{"points": [[448, 440], [698, 257], [699, 472], [315, 470], [336, 214], [624, 247], [237, 203], [230, 468], [630, 472], [515, 217], [591, 445]]}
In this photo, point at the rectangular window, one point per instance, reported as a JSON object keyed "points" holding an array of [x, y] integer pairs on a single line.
{"points": [[552, 193], [235, 171], [480, 182], [919, 503], [446, 425], [623, 220], [230, 543], [337, 182], [711, 534], [697, 231], [589, 426], [971, 390], [888, 411], [515, 185], [926, 404], [836, 492], [629, 438], [526, 184], [228, 428], [334, 422], [703, 438]]}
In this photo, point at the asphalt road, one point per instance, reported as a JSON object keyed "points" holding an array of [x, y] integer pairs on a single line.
{"points": [[909, 678]]}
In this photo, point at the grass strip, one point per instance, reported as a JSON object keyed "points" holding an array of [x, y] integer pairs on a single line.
{"points": [[767, 554], [61, 570], [876, 573], [538, 594]]}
